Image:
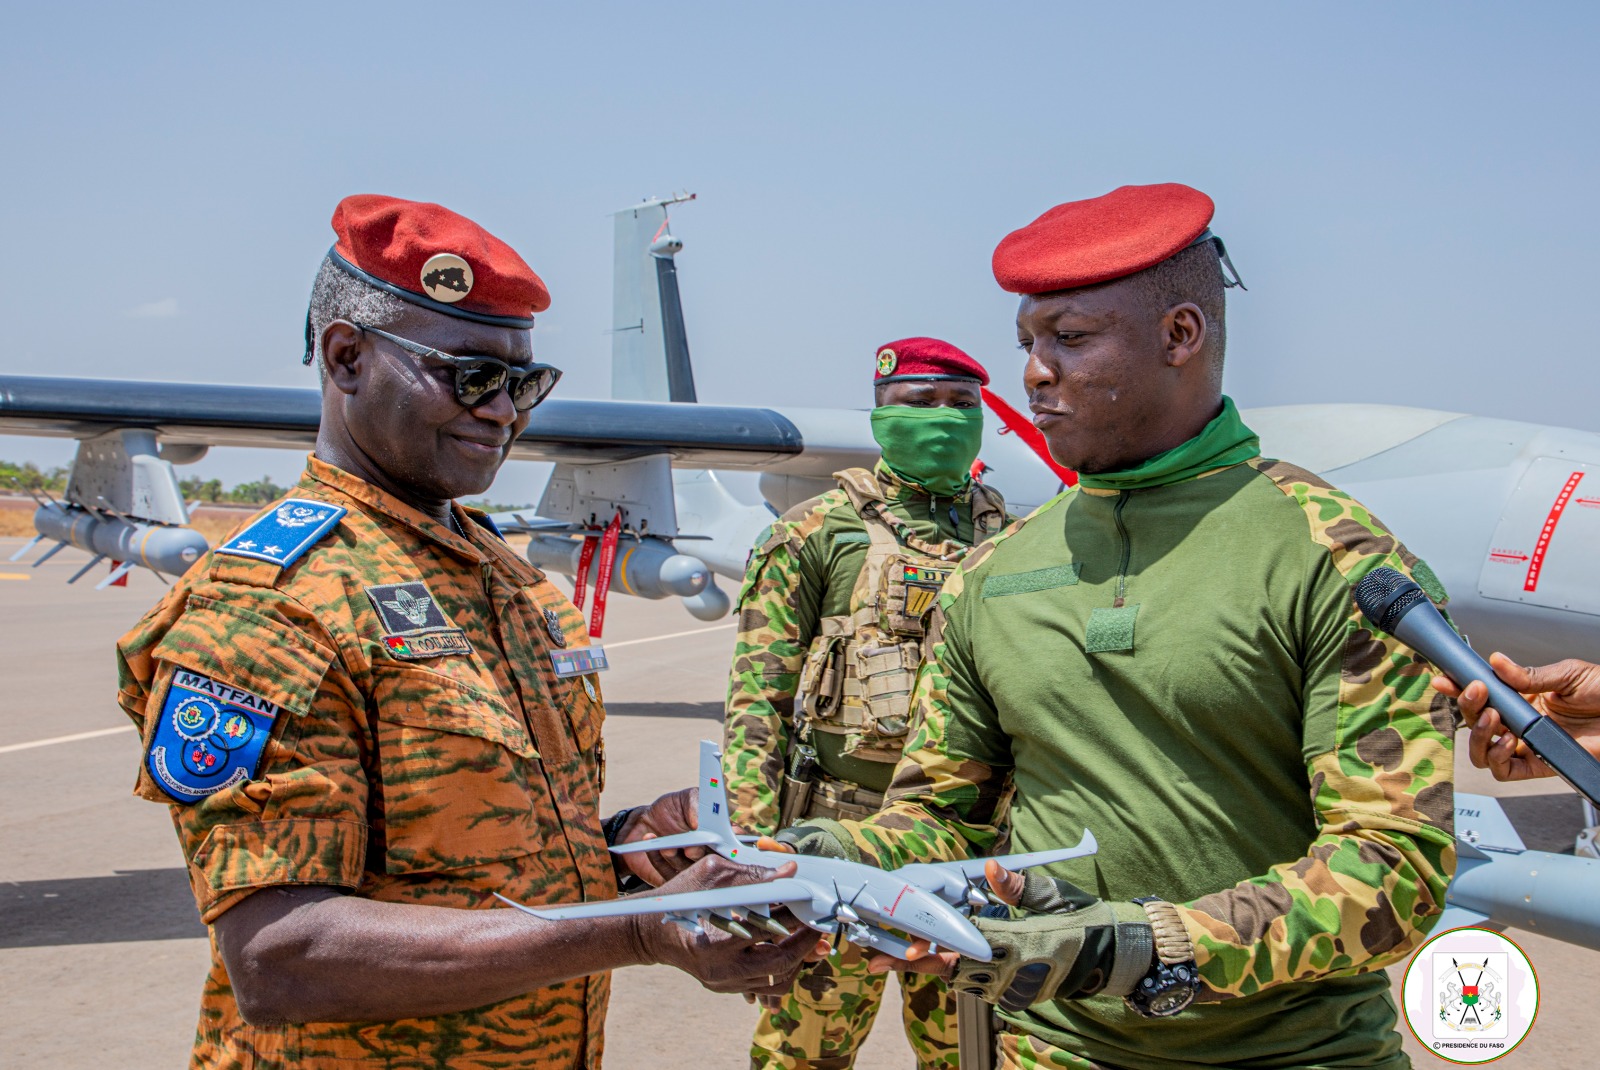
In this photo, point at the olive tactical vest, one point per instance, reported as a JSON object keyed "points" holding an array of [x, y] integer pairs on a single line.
{"points": [[858, 673]]}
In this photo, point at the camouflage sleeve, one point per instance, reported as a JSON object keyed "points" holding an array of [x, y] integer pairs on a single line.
{"points": [[1378, 749], [777, 614], [953, 784], [301, 819]]}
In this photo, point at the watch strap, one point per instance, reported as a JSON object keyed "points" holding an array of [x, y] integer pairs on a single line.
{"points": [[1173, 944]]}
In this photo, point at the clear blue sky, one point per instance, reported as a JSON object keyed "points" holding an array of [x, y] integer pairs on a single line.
{"points": [[1407, 189]]}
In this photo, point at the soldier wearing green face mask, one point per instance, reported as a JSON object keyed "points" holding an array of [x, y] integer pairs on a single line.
{"points": [[831, 624]]}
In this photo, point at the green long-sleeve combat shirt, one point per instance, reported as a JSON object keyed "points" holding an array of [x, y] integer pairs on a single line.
{"points": [[1183, 670], [803, 569]]}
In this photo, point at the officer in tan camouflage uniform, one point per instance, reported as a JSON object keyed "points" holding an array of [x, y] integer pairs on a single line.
{"points": [[368, 714], [831, 625], [1169, 655]]}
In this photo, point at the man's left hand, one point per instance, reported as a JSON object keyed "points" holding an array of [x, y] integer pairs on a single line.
{"points": [[1060, 942], [671, 814]]}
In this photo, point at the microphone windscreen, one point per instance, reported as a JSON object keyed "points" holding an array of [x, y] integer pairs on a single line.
{"points": [[1384, 595]]}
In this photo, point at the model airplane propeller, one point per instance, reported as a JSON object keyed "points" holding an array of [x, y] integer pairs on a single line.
{"points": [[846, 900]]}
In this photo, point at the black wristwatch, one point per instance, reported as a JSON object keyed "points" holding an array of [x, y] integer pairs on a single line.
{"points": [[611, 828], [1173, 980]]}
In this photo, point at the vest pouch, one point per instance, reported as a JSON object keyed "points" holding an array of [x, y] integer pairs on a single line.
{"points": [[884, 675], [822, 678]]}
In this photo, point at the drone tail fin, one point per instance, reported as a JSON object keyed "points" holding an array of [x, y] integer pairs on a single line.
{"points": [[715, 829]]}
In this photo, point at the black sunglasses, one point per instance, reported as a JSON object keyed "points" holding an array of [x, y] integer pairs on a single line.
{"points": [[478, 379]]}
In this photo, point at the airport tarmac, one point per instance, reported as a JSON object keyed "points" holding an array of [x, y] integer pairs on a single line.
{"points": [[102, 952]]}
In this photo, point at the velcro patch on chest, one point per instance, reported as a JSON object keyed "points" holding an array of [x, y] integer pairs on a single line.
{"points": [[282, 535], [414, 627], [209, 736], [407, 608], [1040, 579], [1110, 631]]}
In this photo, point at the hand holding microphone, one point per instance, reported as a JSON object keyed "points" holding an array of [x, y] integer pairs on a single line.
{"points": [[1568, 691], [1396, 605]]}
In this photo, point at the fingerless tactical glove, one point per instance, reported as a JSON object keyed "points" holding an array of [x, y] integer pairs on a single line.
{"points": [[1059, 942]]}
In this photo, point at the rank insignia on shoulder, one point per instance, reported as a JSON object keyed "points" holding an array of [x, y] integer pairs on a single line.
{"points": [[577, 662], [209, 736], [282, 535]]}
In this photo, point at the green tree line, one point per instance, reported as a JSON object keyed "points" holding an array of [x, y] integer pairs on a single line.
{"points": [[30, 477]]}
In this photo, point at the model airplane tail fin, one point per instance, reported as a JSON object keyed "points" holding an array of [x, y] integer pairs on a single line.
{"points": [[715, 829]]}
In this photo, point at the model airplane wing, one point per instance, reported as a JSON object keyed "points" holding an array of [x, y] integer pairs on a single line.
{"points": [[783, 890], [934, 874]]}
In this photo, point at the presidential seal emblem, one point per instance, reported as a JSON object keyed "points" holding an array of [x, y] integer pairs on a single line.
{"points": [[446, 277], [552, 624], [1470, 995], [887, 359]]}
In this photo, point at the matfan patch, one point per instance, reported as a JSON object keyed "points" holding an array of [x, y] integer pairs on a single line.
{"points": [[209, 736]]}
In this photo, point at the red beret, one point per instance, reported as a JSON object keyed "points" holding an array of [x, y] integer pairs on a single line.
{"points": [[925, 358], [1081, 243], [432, 257]]}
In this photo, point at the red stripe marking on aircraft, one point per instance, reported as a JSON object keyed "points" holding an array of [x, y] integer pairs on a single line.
{"points": [[904, 888], [1549, 529], [1507, 555]]}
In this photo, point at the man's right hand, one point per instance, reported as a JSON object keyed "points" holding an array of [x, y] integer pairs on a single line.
{"points": [[1568, 692], [720, 961]]}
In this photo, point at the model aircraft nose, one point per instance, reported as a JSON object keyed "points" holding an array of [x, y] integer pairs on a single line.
{"points": [[945, 926]]}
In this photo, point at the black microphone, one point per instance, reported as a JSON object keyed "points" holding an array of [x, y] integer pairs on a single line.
{"points": [[1398, 606]]}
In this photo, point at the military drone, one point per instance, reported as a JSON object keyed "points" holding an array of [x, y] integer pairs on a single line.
{"points": [[851, 901]]}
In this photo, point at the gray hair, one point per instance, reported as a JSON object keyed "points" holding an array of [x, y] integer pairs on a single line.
{"points": [[339, 295]]}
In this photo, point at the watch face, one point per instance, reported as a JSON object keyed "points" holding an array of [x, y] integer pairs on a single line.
{"points": [[1171, 1001], [1164, 991]]}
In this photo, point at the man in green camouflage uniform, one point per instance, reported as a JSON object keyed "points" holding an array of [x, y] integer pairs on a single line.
{"points": [[1170, 656], [831, 625]]}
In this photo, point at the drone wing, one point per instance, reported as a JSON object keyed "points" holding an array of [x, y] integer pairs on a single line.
{"points": [[767, 893], [937, 874]]}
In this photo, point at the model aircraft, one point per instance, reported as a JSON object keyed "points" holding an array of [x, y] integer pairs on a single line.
{"points": [[1499, 883], [847, 900]]}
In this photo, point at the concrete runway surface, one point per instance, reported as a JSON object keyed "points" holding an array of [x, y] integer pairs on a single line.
{"points": [[102, 952]]}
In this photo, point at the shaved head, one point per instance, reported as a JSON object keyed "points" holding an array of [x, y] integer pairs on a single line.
{"points": [[1193, 276]]}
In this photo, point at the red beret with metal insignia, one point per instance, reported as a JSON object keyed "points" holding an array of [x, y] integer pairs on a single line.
{"points": [[430, 256], [1081, 243], [925, 358]]}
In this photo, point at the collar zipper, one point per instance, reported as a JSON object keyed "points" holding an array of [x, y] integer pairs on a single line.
{"points": [[1127, 549]]}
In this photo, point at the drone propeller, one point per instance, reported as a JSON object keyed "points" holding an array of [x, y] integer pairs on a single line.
{"points": [[844, 916]]}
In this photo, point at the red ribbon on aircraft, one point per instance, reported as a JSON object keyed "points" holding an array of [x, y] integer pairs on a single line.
{"points": [[580, 582], [602, 582], [1023, 428]]}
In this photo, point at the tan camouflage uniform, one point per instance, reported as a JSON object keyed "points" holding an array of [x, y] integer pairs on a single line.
{"points": [[1183, 671], [433, 780], [804, 593]]}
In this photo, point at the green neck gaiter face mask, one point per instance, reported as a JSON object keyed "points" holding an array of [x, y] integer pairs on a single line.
{"points": [[1224, 441], [932, 447]]}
